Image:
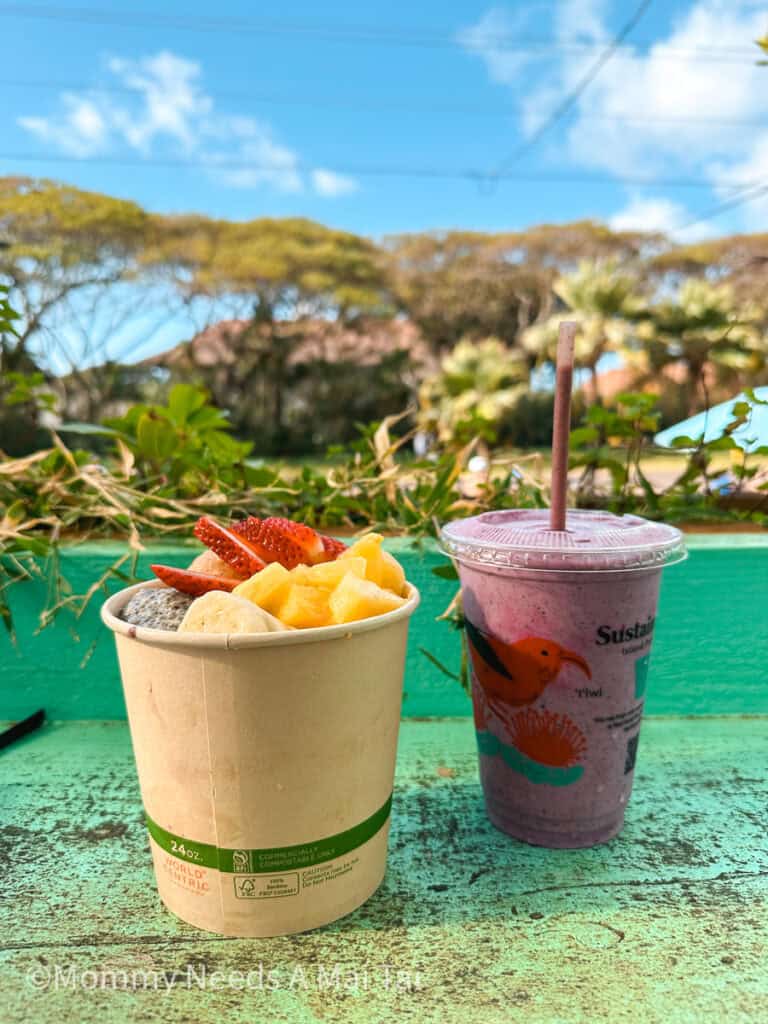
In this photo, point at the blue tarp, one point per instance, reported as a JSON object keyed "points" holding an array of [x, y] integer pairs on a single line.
{"points": [[712, 423]]}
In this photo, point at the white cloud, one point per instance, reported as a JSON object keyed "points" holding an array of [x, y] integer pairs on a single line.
{"points": [[258, 159], [576, 24], [498, 39], [670, 83], [167, 111], [172, 103], [754, 168], [81, 130], [655, 111], [329, 183], [655, 213], [650, 214], [491, 39], [582, 20], [87, 122]]}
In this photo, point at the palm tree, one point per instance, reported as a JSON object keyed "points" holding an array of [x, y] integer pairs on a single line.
{"points": [[602, 299], [699, 326], [478, 383]]}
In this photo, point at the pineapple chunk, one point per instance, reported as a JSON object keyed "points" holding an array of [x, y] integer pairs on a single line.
{"points": [[268, 588], [329, 574], [305, 607], [381, 567], [355, 599], [354, 586]]}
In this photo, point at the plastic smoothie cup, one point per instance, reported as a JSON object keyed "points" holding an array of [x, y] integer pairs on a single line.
{"points": [[559, 626], [266, 765]]}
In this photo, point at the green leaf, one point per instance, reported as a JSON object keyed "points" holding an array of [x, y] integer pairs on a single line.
{"points": [[156, 437], [618, 471], [446, 572], [93, 429], [208, 417], [583, 435], [439, 665], [599, 415], [684, 441], [639, 401], [260, 476], [128, 423], [722, 444], [183, 400], [35, 545], [7, 313], [225, 449], [650, 495]]}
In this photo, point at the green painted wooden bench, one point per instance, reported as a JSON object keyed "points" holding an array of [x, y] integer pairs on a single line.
{"points": [[668, 922]]}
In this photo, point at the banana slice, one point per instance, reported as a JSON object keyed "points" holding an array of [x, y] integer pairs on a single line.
{"points": [[221, 612]]}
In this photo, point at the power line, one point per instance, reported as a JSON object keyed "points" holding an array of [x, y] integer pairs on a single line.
{"points": [[571, 98], [371, 170], [750, 193], [380, 105], [391, 35]]}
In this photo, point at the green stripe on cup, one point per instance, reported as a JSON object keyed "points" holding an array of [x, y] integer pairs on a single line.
{"points": [[535, 771], [266, 861]]}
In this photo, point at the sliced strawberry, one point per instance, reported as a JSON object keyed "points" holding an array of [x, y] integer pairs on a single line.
{"points": [[252, 530], [231, 547], [247, 528], [195, 583], [281, 540], [333, 548]]}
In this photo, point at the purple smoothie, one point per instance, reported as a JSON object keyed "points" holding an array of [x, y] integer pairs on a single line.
{"points": [[559, 628]]}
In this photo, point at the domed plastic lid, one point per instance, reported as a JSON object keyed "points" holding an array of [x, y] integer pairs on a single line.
{"points": [[591, 541]]}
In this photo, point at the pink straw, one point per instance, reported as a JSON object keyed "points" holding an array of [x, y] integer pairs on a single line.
{"points": [[562, 424]]}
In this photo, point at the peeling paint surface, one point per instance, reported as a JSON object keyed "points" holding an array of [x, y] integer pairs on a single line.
{"points": [[668, 922]]}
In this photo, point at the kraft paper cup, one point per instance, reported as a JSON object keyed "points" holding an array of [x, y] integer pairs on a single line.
{"points": [[266, 765]]}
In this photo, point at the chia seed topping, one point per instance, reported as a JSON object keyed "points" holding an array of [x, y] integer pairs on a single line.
{"points": [[157, 608]]}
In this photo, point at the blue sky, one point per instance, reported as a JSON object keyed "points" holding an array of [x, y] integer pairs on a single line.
{"points": [[290, 109]]}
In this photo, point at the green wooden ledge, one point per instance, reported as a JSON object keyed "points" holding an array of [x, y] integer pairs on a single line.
{"points": [[710, 652], [666, 923]]}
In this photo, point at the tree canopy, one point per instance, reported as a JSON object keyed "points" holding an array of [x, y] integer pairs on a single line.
{"points": [[81, 265], [290, 265]]}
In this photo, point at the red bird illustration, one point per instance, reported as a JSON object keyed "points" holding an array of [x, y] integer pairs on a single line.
{"points": [[516, 674]]}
